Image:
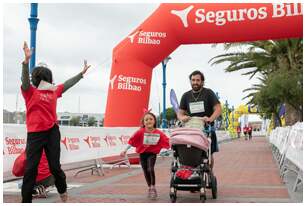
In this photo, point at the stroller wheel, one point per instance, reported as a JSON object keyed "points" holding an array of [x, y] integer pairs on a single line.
{"points": [[202, 194], [214, 187], [173, 197], [172, 194], [203, 198]]}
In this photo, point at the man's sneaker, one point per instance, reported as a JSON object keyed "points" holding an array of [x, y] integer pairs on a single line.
{"points": [[64, 197]]}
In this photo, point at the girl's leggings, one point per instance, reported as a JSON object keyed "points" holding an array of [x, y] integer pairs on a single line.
{"points": [[147, 161]]}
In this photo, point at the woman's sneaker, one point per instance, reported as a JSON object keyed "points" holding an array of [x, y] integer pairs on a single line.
{"points": [[64, 197]]}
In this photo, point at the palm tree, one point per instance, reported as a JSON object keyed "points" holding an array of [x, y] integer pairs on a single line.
{"points": [[263, 57], [277, 63]]}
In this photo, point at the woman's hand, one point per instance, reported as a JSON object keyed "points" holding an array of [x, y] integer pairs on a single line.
{"points": [[27, 53], [86, 67]]}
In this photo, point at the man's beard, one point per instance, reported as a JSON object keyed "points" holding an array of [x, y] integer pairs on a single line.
{"points": [[196, 87]]}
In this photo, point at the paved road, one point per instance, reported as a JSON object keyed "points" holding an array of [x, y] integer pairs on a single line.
{"points": [[245, 170]]}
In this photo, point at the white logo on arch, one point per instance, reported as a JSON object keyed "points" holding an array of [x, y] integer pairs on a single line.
{"points": [[132, 36], [112, 80], [183, 14]]}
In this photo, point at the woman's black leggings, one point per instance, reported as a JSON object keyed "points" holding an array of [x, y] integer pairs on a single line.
{"points": [[50, 141], [147, 161]]}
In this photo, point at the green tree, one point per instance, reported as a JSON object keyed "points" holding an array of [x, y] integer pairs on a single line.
{"points": [[170, 114], [75, 121], [91, 121], [268, 102]]}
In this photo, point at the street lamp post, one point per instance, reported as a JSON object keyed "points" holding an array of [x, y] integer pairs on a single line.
{"points": [[233, 116], [226, 114], [158, 119], [217, 95], [164, 64], [33, 27]]}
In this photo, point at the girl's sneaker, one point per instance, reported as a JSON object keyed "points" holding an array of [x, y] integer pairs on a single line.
{"points": [[153, 194], [149, 193]]}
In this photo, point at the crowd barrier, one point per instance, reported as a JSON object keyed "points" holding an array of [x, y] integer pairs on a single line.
{"points": [[287, 149], [79, 144]]}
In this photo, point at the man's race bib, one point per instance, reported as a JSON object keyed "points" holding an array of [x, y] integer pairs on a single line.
{"points": [[196, 107], [150, 139]]}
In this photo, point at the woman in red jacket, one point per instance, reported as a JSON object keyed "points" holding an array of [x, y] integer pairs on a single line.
{"points": [[41, 121], [148, 142]]}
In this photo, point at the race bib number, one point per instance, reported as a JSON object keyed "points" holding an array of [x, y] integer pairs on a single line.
{"points": [[151, 139], [196, 107]]}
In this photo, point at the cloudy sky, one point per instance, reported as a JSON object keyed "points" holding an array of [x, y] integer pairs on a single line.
{"points": [[69, 33]]}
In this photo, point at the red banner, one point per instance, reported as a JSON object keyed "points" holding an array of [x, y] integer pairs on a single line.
{"points": [[172, 25]]}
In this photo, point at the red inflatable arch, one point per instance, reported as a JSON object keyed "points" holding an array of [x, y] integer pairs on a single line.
{"points": [[172, 25]]}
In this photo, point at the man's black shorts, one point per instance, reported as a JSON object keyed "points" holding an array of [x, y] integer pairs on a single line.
{"points": [[214, 142]]}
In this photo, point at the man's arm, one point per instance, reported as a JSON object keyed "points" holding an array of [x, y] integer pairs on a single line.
{"points": [[217, 112], [181, 115]]}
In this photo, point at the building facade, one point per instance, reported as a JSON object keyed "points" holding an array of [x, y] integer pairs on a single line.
{"points": [[80, 119]]}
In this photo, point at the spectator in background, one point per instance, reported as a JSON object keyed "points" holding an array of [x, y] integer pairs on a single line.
{"points": [[238, 131], [250, 129], [44, 178], [245, 132]]}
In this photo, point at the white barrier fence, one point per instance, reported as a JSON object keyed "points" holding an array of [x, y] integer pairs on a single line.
{"points": [[77, 143], [287, 147]]}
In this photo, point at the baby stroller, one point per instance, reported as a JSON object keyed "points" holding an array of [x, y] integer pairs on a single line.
{"points": [[191, 162]]}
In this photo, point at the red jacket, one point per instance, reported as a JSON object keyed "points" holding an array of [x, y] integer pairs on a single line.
{"points": [[245, 129], [43, 167], [137, 140], [250, 128], [41, 107]]}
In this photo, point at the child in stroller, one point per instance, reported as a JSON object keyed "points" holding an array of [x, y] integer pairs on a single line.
{"points": [[191, 169]]}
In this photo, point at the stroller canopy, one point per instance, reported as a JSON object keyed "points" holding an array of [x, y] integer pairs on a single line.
{"points": [[190, 136]]}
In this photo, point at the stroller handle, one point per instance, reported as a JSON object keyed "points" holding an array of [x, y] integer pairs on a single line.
{"points": [[208, 128]]}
